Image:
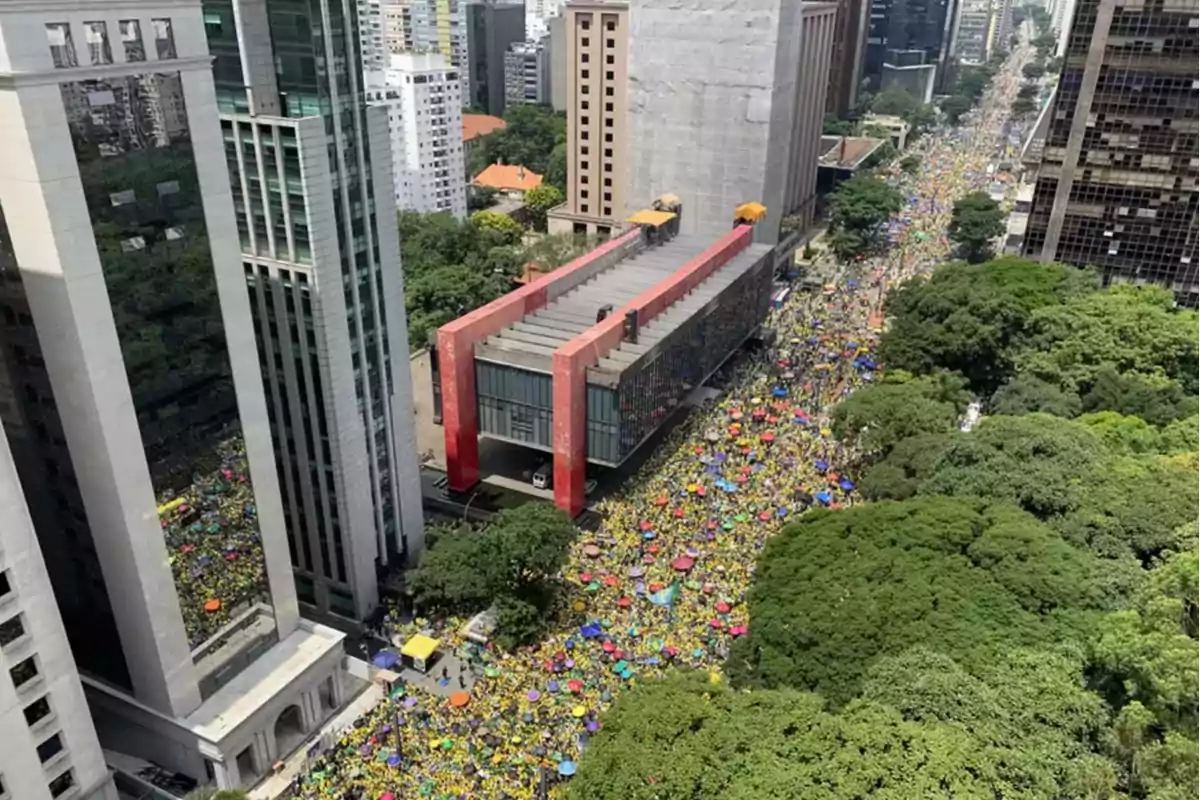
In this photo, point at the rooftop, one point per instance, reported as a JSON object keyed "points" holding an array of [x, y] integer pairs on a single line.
{"points": [[847, 152], [508, 178], [476, 125], [530, 342]]}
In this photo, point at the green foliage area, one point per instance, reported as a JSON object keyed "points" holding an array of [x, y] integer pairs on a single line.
{"points": [[960, 577], [832, 126], [975, 222], [857, 210], [1028, 91], [532, 134], [911, 164], [541, 199], [511, 563], [452, 267], [876, 418], [955, 106], [897, 101], [1023, 106], [967, 318]]}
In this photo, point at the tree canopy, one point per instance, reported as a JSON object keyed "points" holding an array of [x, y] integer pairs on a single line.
{"points": [[511, 563], [530, 137], [966, 318], [876, 418], [975, 223], [858, 208]]}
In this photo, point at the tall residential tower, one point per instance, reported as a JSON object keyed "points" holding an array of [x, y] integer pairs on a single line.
{"points": [[311, 170]]}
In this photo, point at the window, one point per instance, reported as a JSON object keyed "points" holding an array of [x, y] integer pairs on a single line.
{"points": [[583, 193], [585, 41], [131, 39], [61, 784], [610, 59], [608, 137], [584, 58], [608, 106], [583, 209], [24, 672], [36, 711], [583, 73], [608, 76], [62, 49], [608, 152], [164, 37], [608, 181], [607, 211], [583, 165], [608, 91], [5, 586], [610, 42], [96, 34], [50, 748], [11, 630]]}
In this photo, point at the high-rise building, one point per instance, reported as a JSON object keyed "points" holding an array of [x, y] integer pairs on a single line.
{"points": [[492, 26], [311, 169], [908, 43], [538, 14], [972, 36], [1117, 186], [138, 419], [556, 45], [597, 62], [527, 73], [372, 39], [397, 26], [846, 60], [440, 26], [719, 98], [50, 745], [423, 100]]}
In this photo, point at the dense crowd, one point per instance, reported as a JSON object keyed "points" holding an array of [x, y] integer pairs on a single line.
{"points": [[213, 545], [664, 580]]}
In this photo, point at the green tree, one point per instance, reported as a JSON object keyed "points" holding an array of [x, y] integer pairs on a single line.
{"points": [[910, 164], [556, 169], [858, 208], [955, 106], [967, 318], [511, 563], [904, 470], [1028, 91], [541, 199], [973, 82], [1033, 71], [1131, 330], [503, 229], [480, 197], [975, 223], [876, 418], [894, 101], [531, 134], [1155, 398], [966, 579], [1123, 435], [832, 126], [550, 252], [1025, 394]]}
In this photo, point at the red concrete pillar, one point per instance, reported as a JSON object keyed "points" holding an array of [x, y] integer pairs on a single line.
{"points": [[570, 431], [456, 351]]}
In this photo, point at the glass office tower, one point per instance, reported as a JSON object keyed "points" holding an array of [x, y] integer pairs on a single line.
{"points": [[310, 167]]}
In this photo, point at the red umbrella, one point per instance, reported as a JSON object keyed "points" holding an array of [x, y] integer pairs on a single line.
{"points": [[608, 647], [653, 548], [661, 500], [722, 608], [712, 524], [624, 602], [610, 580], [645, 525], [585, 577], [683, 563], [700, 490], [656, 587], [764, 516], [768, 437], [742, 478], [678, 513], [716, 623], [574, 686]]}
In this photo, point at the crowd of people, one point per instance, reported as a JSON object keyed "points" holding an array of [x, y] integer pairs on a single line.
{"points": [[663, 582], [213, 544]]}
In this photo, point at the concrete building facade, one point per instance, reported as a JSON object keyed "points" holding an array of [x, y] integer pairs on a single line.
{"points": [[321, 261], [142, 405], [914, 37], [397, 27], [50, 745], [717, 101], [1118, 184], [848, 54], [372, 33], [597, 79], [440, 26], [424, 107], [527, 73], [556, 44], [818, 29], [492, 27]]}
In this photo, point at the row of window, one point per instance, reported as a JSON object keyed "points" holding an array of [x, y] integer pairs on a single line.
{"points": [[38, 713], [62, 44]]}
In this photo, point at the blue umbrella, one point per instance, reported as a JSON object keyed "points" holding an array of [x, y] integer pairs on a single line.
{"points": [[590, 631], [821, 465], [385, 659], [779, 391], [846, 485], [567, 768], [824, 497], [852, 284]]}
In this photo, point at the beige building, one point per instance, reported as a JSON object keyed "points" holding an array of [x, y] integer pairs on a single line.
{"points": [[597, 56], [397, 27]]}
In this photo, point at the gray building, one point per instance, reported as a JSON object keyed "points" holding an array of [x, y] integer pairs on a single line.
{"points": [[718, 103], [139, 424], [320, 260], [556, 43], [527, 73], [492, 26]]}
